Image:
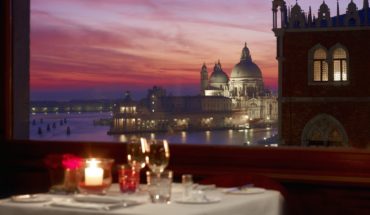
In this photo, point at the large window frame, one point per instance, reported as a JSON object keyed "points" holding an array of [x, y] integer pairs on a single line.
{"points": [[323, 63], [343, 64], [320, 66], [303, 165]]}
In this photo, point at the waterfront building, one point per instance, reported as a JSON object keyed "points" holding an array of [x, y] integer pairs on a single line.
{"points": [[238, 102], [323, 75], [74, 106], [245, 88], [161, 112]]}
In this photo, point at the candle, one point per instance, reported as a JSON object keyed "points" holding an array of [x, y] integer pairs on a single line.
{"points": [[93, 173]]}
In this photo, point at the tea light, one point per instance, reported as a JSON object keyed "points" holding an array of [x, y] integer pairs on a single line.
{"points": [[93, 173]]}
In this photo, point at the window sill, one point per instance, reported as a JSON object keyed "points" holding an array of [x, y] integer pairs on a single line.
{"points": [[329, 83], [341, 166]]}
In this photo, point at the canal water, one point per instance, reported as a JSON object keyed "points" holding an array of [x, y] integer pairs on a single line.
{"points": [[81, 127]]}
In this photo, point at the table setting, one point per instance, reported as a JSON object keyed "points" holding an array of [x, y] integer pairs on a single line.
{"points": [[96, 194]]}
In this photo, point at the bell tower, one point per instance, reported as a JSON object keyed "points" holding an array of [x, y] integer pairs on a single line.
{"points": [[203, 79], [276, 4]]}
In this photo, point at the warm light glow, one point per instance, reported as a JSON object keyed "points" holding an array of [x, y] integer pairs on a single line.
{"points": [[166, 148], [208, 136], [340, 64], [122, 138], [93, 173], [144, 145], [320, 65], [183, 136]]}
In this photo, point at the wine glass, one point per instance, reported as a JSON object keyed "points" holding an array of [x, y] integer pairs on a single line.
{"points": [[137, 152], [158, 155]]}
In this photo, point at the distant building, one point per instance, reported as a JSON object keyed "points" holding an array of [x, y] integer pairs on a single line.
{"points": [[323, 75], [239, 103], [74, 106], [160, 112], [245, 88]]}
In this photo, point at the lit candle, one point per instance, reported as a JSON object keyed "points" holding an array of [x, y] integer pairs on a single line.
{"points": [[93, 173]]}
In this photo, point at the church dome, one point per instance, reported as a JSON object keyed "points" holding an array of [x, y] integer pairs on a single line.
{"points": [[296, 9], [324, 7], [218, 75], [352, 7], [246, 68]]}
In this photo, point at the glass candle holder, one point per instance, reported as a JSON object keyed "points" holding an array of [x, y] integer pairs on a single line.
{"points": [[95, 176], [128, 178]]}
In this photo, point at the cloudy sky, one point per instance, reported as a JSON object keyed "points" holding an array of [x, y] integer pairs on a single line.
{"points": [[88, 49]]}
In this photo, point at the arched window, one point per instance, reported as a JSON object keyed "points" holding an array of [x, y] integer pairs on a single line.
{"points": [[320, 65], [324, 130], [340, 66]]}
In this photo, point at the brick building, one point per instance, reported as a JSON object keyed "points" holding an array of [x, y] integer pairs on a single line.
{"points": [[324, 75]]}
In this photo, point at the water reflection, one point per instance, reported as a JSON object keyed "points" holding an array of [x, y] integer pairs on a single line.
{"points": [[247, 137], [83, 129], [183, 136]]}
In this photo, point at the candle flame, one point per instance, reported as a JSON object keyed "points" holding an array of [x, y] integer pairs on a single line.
{"points": [[93, 162]]}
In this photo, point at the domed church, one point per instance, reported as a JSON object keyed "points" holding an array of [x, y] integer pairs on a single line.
{"points": [[245, 87]]}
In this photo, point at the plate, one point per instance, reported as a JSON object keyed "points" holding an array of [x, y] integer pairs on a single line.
{"points": [[249, 190], [30, 198], [204, 187], [97, 198], [208, 200]]}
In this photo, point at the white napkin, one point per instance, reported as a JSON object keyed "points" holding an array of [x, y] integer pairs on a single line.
{"points": [[199, 196], [204, 186], [244, 190], [70, 203], [98, 198]]}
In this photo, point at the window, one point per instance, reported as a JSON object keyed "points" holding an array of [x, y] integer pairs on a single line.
{"points": [[324, 130], [203, 157], [320, 65], [148, 55], [328, 67], [340, 64]]}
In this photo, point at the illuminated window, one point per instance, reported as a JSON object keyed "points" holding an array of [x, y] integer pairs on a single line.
{"points": [[340, 65], [320, 65]]}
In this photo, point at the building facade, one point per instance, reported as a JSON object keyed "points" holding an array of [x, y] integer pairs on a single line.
{"points": [[324, 73], [244, 87], [164, 113], [238, 102]]}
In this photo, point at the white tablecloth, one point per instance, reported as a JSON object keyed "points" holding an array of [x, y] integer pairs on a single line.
{"points": [[266, 203]]}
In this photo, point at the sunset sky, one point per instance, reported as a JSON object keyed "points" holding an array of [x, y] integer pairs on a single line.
{"points": [[94, 49]]}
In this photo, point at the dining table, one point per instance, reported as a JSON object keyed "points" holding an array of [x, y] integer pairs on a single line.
{"points": [[220, 201]]}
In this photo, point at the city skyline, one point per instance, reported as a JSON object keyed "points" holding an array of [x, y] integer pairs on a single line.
{"points": [[93, 49]]}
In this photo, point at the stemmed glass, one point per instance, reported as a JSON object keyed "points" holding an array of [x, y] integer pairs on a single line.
{"points": [[137, 152], [137, 156], [158, 155]]}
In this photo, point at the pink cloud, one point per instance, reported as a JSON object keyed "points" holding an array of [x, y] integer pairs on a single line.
{"points": [[140, 50]]}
